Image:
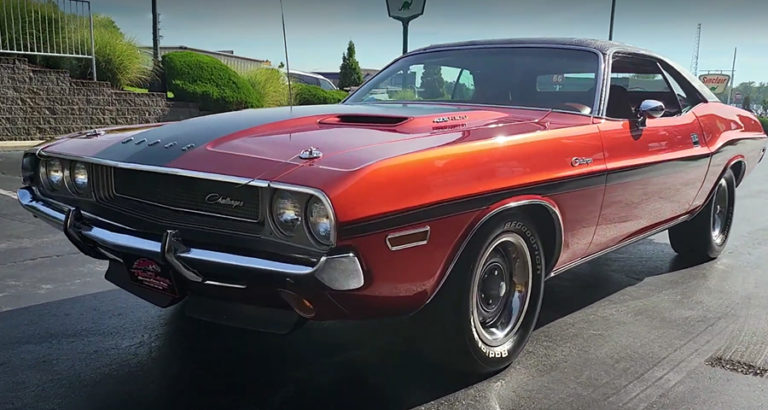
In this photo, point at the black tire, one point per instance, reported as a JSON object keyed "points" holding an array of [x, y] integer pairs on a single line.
{"points": [[705, 236], [463, 314]]}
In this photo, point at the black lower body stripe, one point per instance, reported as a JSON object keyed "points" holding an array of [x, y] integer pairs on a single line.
{"points": [[477, 202]]}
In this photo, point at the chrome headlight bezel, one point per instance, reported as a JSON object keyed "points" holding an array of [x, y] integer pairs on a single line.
{"points": [[287, 212], [78, 187], [317, 222], [47, 167]]}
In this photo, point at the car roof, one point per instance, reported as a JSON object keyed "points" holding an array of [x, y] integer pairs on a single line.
{"points": [[603, 46], [307, 74]]}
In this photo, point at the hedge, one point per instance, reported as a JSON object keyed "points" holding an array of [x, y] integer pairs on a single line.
{"points": [[764, 121], [304, 94], [194, 77]]}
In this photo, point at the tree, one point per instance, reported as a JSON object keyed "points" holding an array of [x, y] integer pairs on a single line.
{"points": [[349, 72], [747, 103], [432, 83]]}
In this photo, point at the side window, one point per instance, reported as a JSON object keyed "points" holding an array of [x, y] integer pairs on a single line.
{"points": [[686, 93], [682, 99], [634, 80]]}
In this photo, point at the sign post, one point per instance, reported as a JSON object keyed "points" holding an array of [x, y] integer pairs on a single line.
{"points": [[405, 11]]}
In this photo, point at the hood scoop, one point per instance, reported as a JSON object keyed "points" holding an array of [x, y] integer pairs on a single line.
{"points": [[362, 119]]}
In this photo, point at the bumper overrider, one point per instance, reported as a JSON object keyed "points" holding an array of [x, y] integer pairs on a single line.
{"points": [[307, 289]]}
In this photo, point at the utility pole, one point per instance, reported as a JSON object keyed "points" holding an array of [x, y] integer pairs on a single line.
{"points": [[733, 73], [695, 58], [613, 13], [155, 33]]}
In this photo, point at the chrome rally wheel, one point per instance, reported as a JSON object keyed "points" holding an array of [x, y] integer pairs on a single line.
{"points": [[501, 289], [706, 234], [720, 209], [486, 310]]}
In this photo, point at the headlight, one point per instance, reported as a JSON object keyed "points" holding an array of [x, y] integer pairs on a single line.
{"points": [[80, 177], [320, 221], [54, 173], [286, 210]]}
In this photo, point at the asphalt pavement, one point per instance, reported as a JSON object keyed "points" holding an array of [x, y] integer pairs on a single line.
{"points": [[632, 329]]}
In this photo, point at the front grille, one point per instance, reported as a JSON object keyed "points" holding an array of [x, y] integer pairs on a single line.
{"points": [[177, 198]]}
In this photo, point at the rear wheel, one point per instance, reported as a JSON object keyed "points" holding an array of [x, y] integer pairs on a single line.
{"points": [[487, 309], [706, 235]]}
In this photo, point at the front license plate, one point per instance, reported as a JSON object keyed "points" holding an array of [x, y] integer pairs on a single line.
{"points": [[150, 274]]}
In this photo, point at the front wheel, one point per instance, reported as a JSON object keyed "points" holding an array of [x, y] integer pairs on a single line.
{"points": [[487, 309], [705, 236]]}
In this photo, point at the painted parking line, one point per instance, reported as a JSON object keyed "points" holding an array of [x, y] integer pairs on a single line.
{"points": [[9, 194]]}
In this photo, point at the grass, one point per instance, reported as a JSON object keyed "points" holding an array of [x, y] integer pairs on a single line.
{"points": [[143, 90]]}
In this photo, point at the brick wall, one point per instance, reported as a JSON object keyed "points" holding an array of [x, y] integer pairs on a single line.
{"points": [[37, 103]]}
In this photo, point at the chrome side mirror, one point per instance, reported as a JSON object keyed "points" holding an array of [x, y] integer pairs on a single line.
{"points": [[649, 109]]}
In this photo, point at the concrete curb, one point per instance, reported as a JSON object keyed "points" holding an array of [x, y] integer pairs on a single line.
{"points": [[18, 145]]}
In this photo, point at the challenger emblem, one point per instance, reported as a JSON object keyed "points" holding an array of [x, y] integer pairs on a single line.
{"points": [[310, 153], [214, 198], [576, 161]]}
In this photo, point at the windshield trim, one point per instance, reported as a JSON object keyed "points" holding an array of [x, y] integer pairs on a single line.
{"points": [[600, 75]]}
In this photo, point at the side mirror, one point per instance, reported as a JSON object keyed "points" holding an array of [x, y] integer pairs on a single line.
{"points": [[649, 109]]}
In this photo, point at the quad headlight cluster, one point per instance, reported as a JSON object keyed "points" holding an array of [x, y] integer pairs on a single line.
{"points": [[292, 212], [60, 175]]}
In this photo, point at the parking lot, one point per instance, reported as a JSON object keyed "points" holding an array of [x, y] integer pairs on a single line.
{"points": [[630, 329]]}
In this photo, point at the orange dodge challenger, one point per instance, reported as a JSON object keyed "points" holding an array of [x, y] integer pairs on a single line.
{"points": [[451, 184]]}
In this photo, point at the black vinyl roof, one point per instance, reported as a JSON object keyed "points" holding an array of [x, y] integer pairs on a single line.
{"points": [[602, 46]]}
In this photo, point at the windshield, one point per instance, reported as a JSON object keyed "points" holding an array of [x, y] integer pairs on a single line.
{"points": [[563, 79]]}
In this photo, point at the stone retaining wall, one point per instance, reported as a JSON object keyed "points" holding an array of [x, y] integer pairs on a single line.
{"points": [[38, 103]]}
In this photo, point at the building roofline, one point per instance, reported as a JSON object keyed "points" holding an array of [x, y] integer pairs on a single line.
{"points": [[200, 50]]}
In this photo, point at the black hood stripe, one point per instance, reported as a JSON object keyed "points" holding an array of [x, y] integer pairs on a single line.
{"points": [[178, 138]]}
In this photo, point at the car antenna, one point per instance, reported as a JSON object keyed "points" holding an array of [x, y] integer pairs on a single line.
{"points": [[287, 64]]}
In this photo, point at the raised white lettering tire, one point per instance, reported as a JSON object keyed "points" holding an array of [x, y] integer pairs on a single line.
{"points": [[487, 309]]}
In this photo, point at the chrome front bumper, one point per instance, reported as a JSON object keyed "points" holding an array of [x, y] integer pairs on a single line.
{"points": [[338, 272]]}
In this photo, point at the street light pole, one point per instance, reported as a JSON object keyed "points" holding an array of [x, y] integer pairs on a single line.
{"points": [[613, 13]]}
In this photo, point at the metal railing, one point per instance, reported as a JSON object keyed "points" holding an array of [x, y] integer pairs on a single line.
{"points": [[59, 28]]}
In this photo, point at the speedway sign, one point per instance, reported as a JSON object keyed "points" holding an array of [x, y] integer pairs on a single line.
{"points": [[717, 83]]}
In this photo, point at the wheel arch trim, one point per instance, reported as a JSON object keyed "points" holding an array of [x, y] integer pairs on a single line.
{"points": [[498, 209]]}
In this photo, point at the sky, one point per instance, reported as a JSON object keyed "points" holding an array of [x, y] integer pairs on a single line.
{"points": [[318, 30]]}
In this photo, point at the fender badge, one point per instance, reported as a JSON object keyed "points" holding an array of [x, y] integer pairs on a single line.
{"points": [[576, 161], [310, 153]]}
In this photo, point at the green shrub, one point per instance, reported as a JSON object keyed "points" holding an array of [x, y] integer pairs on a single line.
{"points": [[764, 121], [406, 94], [205, 80], [304, 94], [270, 84], [118, 59]]}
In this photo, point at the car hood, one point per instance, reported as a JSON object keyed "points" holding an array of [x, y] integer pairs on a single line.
{"points": [[267, 143]]}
